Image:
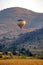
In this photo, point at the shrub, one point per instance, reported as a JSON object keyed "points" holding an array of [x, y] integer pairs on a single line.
{"points": [[1, 54], [6, 57], [10, 54], [40, 57]]}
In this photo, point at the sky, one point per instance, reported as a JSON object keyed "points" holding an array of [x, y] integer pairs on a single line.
{"points": [[34, 5]]}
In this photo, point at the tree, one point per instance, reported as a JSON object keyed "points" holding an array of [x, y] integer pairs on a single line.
{"points": [[28, 53], [23, 50]]}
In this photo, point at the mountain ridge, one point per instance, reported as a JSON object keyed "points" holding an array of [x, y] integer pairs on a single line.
{"points": [[9, 18], [11, 34], [30, 40]]}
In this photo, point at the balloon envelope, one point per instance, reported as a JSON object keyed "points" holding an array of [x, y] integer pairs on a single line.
{"points": [[21, 23]]}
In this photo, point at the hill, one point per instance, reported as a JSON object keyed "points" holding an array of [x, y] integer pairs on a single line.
{"points": [[9, 19], [30, 40], [30, 37]]}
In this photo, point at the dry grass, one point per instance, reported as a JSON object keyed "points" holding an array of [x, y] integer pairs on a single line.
{"points": [[21, 62]]}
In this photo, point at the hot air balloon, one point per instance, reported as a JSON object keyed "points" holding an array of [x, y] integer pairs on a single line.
{"points": [[21, 23]]}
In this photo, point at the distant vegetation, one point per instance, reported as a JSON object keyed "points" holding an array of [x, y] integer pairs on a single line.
{"points": [[30, 41], [20, 54]]}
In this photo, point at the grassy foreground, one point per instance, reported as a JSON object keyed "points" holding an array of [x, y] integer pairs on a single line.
{"points": [[21, 62]]}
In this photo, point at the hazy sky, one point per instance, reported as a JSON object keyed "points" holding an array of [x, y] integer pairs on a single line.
{"points": [[35, 5]]}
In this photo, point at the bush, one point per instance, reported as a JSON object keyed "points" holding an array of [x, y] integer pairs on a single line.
{"points": [[10, 54], [40, 57], [1, 54], [6, 57], [22, 57]]}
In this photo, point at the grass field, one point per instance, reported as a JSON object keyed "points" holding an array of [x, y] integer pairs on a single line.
{"points": [[21, 62]]}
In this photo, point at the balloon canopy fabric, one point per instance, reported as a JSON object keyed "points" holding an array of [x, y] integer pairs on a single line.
{"points": [[21, 23]]}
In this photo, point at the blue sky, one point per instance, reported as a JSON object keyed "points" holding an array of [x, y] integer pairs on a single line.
{"points": [[34, 5]]}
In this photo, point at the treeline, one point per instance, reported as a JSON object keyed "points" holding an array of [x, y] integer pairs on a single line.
{"points": [[22, 51], [16, 51]]}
